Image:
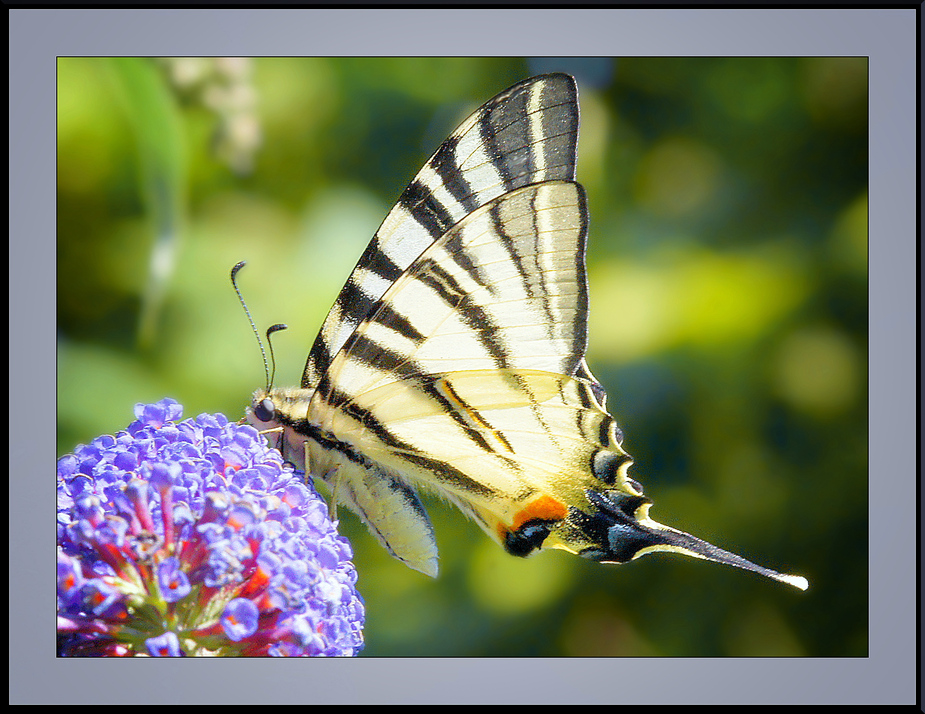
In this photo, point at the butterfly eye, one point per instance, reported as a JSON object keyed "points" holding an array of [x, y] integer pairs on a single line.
{"points": [[266, 410]]}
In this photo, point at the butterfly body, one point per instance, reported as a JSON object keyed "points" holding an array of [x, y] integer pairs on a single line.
{"points": [[453, 359]]}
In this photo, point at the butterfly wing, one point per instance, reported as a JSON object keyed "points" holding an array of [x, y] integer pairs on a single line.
{"points": [[525, 135]]}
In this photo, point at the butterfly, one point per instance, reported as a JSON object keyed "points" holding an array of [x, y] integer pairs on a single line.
{"points": [[453, 359]]}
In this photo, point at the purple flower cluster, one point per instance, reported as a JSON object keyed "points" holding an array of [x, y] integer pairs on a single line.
{"points": [[194, 538]]}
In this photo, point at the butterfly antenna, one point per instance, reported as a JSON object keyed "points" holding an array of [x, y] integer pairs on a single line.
{"points": [[234, 282], [270, 331]]}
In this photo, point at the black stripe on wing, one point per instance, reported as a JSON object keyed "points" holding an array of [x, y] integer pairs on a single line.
{"points": [[441, 470], [475, 317], [372, 354], [445, 164], [433, 216]]}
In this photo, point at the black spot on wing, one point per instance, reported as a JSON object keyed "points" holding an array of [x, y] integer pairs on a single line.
{"points": [[605, 465], [528, 538], [613, 529]]}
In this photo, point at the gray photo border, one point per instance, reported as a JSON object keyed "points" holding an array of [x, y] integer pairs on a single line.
{"points": [[887, 37]]}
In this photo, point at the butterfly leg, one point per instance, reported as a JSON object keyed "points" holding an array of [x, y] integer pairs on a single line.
{"points": [[275, 430], [331, 479]]}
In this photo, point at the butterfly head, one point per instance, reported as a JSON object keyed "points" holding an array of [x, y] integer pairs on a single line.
{"points": [[280, 414], [263, 414], [263, 410]]}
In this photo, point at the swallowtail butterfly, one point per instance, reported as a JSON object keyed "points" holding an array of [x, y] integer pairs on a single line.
{"points": [[453, 358]]}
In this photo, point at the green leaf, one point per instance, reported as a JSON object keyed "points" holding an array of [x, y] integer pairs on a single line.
{"points": [[155, 119]]}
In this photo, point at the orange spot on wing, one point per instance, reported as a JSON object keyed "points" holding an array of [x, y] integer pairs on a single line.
{"points": [[544, 508]]}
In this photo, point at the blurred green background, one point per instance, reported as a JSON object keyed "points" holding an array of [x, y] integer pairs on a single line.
{"points": [[728, 277]]}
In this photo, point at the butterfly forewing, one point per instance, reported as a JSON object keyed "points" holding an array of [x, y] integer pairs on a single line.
{"points": [[524, 135]]}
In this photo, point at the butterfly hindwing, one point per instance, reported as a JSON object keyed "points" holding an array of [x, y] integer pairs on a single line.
{"points": [[513, 446]]}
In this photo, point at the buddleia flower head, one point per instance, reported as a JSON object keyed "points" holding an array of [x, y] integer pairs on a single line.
{"points": [[194, 538]]}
